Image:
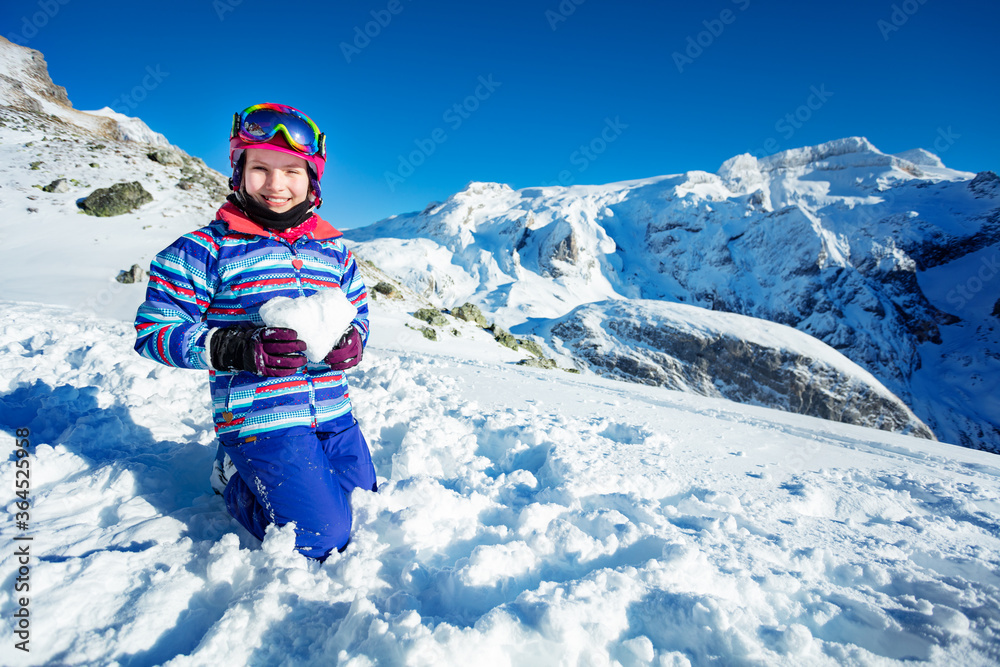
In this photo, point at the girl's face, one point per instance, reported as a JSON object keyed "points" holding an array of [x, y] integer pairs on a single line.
{"points": [[277, 181]]}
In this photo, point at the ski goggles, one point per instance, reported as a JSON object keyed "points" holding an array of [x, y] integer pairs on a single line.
{"points": [[261, 122]]}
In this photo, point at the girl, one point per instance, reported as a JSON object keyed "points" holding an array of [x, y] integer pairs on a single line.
{"points": [[290, 449]]}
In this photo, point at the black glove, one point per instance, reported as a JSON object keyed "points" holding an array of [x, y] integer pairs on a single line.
{"points": [[267, 351]]}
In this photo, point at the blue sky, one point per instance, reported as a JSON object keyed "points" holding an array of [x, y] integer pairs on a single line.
{"points": [[419, 97]]}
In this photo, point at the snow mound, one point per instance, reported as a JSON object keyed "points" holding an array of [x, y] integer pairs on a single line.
{"points": [[320, 319]]}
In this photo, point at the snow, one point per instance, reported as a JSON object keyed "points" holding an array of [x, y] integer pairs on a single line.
{"points": [[77, 264], [524, 517], [131, 128], [320, 320]]}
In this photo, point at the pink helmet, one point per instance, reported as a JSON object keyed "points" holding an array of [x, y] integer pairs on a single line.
{"points": [[279, 128]]}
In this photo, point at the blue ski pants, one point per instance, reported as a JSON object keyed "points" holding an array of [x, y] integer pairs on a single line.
{"points": [[301, 475]]}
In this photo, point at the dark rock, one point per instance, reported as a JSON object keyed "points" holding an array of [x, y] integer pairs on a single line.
{"points": [[431, 316], [387, 289], [166, 157], [118, 199], [133, 275], [537, 363], [58, 185], [429, 333], [469, 313], [567, 250], [194, 170], [532, 347], [539, 360], [503, 336], [36, 164], [985, 184]]}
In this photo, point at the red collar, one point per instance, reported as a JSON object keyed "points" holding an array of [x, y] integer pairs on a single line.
{"points": [[314, 227]]}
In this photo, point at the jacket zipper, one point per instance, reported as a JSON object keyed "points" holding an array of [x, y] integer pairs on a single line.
{"points": [[298, 270], [298, 284]]}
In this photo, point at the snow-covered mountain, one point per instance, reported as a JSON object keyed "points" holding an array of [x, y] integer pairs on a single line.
{"points": [[25, 85], [886, 258], [58, 254], [524, 516]]}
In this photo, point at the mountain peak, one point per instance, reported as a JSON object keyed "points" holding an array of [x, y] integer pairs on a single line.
{"points": [[25, 85], [484, 188], [741, 173], [25, 80], [799, 157], [131, 128], [920, 157]]}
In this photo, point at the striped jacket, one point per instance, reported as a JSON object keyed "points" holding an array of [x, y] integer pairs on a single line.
{"points": [[219, 276]]}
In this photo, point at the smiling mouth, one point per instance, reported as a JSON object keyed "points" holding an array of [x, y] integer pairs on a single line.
{"points": [[276, 201]]}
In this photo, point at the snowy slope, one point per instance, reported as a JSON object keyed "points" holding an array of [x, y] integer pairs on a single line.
{"points": [[866, 251], [524, 517], [50, 250], [725, 355]]}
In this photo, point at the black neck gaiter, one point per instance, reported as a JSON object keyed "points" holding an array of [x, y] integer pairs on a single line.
{"points": [[270, 219]]}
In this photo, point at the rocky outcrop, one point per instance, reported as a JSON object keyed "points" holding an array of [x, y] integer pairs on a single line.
{"points": [[167, 157], [33, 82], [733, 357], [59, 185], [431, 316], [118, 199], [985, 184], [132, 275], [470, 313], [386, 289]]}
